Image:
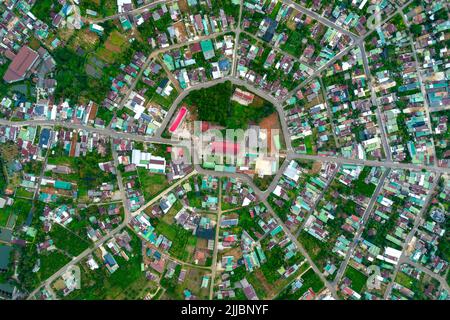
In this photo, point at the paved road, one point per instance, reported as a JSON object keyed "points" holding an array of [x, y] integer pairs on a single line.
{"points": [[329, 114], [371, 163], [301, 249], [418, 220], [357, 41], [108, 236], [424, 94], [38, 182], [120, 184], [322, 194], [104, 131], [180, 98], [364, 220], [216, 246], [236, 39], [375, 102], [320, 18]]}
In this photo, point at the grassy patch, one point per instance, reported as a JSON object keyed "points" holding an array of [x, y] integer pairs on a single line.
{"points": [[50, 263], [362, 188], [180, 239], [4, 215], [127, 282], [67, 241], [358, 279], [404, 280], [151, 183], [43, 8]]}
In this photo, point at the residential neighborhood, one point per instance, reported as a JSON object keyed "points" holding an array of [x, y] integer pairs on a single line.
{"points": [[224, 150]]}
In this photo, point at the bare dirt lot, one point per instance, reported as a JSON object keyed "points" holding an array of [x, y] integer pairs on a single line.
{"points": [[179, 26], [269, 123], [183, 5], [315, 168]]}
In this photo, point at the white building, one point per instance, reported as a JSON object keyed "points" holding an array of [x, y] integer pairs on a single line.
{"points": [[148, 161]]}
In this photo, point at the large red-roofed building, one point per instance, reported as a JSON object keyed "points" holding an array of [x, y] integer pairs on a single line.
{"points": [[225, 147], [20, 65]]}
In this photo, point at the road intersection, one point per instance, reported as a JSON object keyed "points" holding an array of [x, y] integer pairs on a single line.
{"points": [[290, 154]]}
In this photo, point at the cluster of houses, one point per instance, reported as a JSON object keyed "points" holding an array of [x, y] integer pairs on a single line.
{"points": [[432, 232], [432, 66], [271, 25], [144, 114], [352, 15], [297, 192], [353, 118], [134, 197], [185, 24], [236, 193], [250, 52], [143, 227], [253, 251], [399, 96], [390, 222], [108, 218], [141, 120], [319, 224], [118, 246], [201, 61], [309, 125]]}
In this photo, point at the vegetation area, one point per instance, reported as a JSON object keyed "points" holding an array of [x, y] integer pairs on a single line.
{"points": [[180, 238], [66, 240], [73, 81], [362, 188], [309, 279], [358, 279], [87, 174], [103, 7], [42, 9], [20, 208], [214, 105], [151, 183], [127, 282]]}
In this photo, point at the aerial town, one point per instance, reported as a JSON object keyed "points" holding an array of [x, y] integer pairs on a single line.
{"points": [[224, 150]]}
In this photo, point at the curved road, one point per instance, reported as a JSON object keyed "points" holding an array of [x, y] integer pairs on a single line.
{"points": [[262, 195]]}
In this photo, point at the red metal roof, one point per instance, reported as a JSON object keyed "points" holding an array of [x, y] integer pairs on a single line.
{"points": [[225, 147], [21, 63], [178, 119]]}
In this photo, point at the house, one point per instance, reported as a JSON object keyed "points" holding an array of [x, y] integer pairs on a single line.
{"points": [[243, 97], [248, 289], [207, 49], [44, 138], [124, 6], [5, 253]]}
